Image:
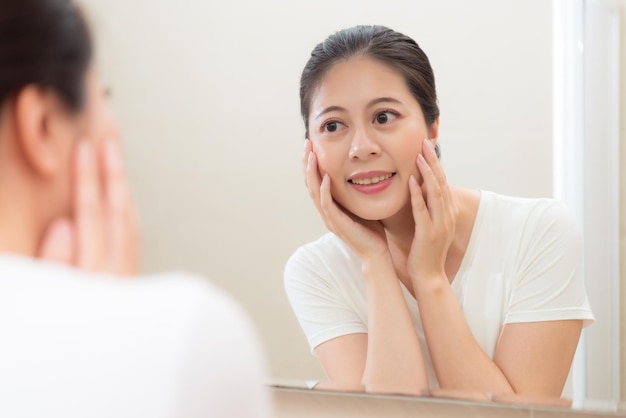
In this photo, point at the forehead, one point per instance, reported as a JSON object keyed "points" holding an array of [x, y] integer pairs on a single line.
{"points": [[359, 80]]}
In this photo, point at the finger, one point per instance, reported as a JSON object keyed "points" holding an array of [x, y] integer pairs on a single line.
{"points": [[418, 204], [136, 235], [121, 241], [88, 212], [434, 197], [431, 158], [313, 179], [58, 242], [332, 214], [339, 218], [305, 158]]}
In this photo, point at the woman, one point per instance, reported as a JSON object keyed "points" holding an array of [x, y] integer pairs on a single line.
{"points": [[76, 339], [420, 284]]}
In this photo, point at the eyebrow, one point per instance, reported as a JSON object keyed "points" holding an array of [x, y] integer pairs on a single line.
{"points": [[370, 104]]}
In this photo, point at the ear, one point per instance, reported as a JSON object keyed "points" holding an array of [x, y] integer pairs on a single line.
{"points": [[40, 126], [433, 132]]}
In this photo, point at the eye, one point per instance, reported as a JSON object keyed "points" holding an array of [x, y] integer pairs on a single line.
{"points": [[332, 126], [385, 117]]}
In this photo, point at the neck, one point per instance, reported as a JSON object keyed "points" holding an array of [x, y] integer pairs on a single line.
{"points": [[400, 228], [18, 233], [21, 201]]}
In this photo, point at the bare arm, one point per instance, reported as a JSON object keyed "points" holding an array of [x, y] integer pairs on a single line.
{"points": [[389, 358], [536, 357], [530, 358], [103, 234], [395, 362]]}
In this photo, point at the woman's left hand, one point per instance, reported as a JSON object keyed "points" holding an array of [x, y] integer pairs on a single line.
{"points": [[102, 235], [435, 214]]}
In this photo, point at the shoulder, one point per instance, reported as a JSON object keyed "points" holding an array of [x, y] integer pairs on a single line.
{"points": [[532, 214], [178, 297], [323, 262], [325, 269], [539, 234], [322, 254], [174, 324], [328, 245], [191, 292], [523, 205], [225, 351]]}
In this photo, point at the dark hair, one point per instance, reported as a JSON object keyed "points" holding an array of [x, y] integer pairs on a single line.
{"points": [[379, 43], [46, 43]]}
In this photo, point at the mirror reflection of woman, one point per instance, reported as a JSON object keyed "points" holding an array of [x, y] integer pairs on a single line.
{"points": [[420, 284]]}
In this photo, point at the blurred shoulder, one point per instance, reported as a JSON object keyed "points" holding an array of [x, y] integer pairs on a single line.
{"points": [[543, 210], [326, 249]]}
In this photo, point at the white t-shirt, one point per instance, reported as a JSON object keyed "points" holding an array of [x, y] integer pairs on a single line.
{"points": [[75, 344], [523, 263]]}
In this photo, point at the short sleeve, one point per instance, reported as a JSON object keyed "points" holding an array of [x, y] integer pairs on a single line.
{"points": [[315, 283], [549, 285]]}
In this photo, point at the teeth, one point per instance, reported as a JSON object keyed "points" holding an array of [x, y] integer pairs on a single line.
{"points": [[372, 180]]}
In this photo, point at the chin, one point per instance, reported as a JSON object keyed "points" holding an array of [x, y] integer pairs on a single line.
{"points": [[374, 214]]}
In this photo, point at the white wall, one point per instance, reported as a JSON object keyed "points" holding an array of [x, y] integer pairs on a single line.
{"points": [[207, 96]]}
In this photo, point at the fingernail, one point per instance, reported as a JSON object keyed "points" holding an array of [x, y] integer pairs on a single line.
{"points": [[428, 145], [420, 159]]}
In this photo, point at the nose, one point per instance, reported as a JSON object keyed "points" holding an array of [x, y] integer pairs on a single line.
{"points": [[364, 146]]}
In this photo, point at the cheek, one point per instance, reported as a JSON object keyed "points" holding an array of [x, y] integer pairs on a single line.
{"points": [[404, 153], [327, 161], [98, 123], [409, 148], [60, 191]]}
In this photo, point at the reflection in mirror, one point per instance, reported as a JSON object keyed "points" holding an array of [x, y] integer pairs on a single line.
{"points": [[420, 284], [222, 192]]}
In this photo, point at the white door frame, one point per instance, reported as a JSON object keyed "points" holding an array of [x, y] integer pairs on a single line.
{"points": [[586, 176]]}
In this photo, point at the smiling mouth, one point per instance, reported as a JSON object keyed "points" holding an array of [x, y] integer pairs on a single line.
{"points": [[373, 180]]}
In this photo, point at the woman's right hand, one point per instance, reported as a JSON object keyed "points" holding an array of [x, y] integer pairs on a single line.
{"points": [[388, 358], [102, 235], [366, 238]]}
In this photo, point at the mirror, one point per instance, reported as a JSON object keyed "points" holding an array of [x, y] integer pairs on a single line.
{"points": [[207, 98], [296, 402]]}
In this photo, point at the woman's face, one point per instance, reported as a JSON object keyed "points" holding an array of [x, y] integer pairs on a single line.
{"points": [[367, 129], [94, 122]]}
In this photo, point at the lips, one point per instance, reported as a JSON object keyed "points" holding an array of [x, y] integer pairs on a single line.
{"points": [[370, 177], [370, 180]]}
